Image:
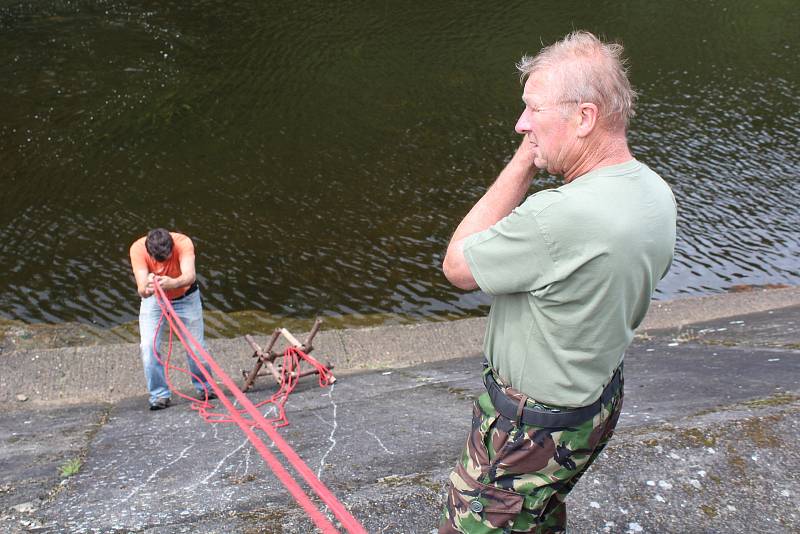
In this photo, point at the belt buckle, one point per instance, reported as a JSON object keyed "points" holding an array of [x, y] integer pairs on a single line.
{"points": [[546, 409]]}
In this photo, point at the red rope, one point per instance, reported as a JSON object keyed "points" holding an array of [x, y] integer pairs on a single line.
{"points": [[289, 376]]}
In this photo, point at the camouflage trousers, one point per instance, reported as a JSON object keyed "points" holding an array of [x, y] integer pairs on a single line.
{"points": [[514, 477]]}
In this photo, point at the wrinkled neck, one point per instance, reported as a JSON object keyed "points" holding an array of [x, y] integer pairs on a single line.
{"points": [[599, 152]]}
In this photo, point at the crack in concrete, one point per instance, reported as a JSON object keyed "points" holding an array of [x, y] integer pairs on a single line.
{"points": [[330, 437], [340, 337], [318, 416], [222, 462], [83, 453], [270, 411], [155, 473], [379, 441], [247, 461]]}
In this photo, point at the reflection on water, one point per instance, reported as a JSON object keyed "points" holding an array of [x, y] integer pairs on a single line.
{"points": [[321, 155]]}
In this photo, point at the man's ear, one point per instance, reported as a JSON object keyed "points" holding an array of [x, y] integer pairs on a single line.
{"points": [[588, 119]]}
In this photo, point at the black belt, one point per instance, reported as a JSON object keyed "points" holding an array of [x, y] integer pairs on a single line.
{"points": [[192, 288], [508, 407]]}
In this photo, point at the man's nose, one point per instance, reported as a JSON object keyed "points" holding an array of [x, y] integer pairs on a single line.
{"points": [[523, 123]]}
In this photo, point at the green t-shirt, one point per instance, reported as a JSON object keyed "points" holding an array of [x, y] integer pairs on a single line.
{"points": [[572, 271]]}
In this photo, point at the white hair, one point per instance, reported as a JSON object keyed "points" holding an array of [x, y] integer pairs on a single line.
{"points": [[585, 69]]}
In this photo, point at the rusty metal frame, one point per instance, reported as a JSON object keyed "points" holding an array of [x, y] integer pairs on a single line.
{"points": [[266, 358]]}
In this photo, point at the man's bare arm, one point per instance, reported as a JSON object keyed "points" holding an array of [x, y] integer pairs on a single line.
{"points": [[503, 196], [144, 284], [186, 277]]}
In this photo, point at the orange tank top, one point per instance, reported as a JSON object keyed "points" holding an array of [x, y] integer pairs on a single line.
{"points": [[182, 247]]}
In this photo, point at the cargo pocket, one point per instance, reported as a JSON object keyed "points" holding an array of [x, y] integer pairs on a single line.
{"points": [[476, 507], [488, 435]]}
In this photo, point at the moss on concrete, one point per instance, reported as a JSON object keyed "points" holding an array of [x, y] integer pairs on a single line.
{"points": [[264, 520], [461, 393], [16, 335], [698, 437], [737, 462], [778, 399], [416, 480], [759, 430], [709, 510]]}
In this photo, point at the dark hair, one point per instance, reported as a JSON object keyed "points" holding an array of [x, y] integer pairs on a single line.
{"points": [[158, 244]]}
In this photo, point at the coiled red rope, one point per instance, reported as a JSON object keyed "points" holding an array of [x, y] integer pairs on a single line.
{"points": [[292, 357]]}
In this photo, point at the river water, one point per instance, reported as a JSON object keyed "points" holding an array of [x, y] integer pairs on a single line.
{"points": [[320, 154]]}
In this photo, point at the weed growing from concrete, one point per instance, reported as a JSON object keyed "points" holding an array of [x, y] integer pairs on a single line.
{"points": [[70, 467]]}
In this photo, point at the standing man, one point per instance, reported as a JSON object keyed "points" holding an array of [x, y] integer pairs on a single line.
{"points": [[572, 271], [167, 257]]}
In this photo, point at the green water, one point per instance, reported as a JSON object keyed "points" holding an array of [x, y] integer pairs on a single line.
{"points": [[321, 154]]}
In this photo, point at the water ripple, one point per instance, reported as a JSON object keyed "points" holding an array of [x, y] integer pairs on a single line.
{"points": [[321, 156]]}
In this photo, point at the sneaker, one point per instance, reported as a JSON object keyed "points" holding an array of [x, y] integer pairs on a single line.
{"points": [[201, 394], [160, 403]]}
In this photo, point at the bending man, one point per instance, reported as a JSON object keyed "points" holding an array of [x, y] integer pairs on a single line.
{"points": [[167, 257], [572, 271]]}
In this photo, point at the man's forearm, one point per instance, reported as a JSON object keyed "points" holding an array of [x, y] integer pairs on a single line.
{"points": [[182, 280], [502, 197], [143, 278]]}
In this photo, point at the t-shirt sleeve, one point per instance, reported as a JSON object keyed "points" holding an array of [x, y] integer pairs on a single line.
{"points": [[513, 256]]}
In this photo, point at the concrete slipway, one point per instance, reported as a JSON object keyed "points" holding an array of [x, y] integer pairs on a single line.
{"points": [[707, 441]]}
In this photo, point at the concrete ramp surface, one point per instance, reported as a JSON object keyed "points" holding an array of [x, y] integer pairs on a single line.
{"points": [[708, 435]]}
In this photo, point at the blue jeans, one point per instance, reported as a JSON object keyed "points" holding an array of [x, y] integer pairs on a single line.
{"points": [[190, 310]]}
